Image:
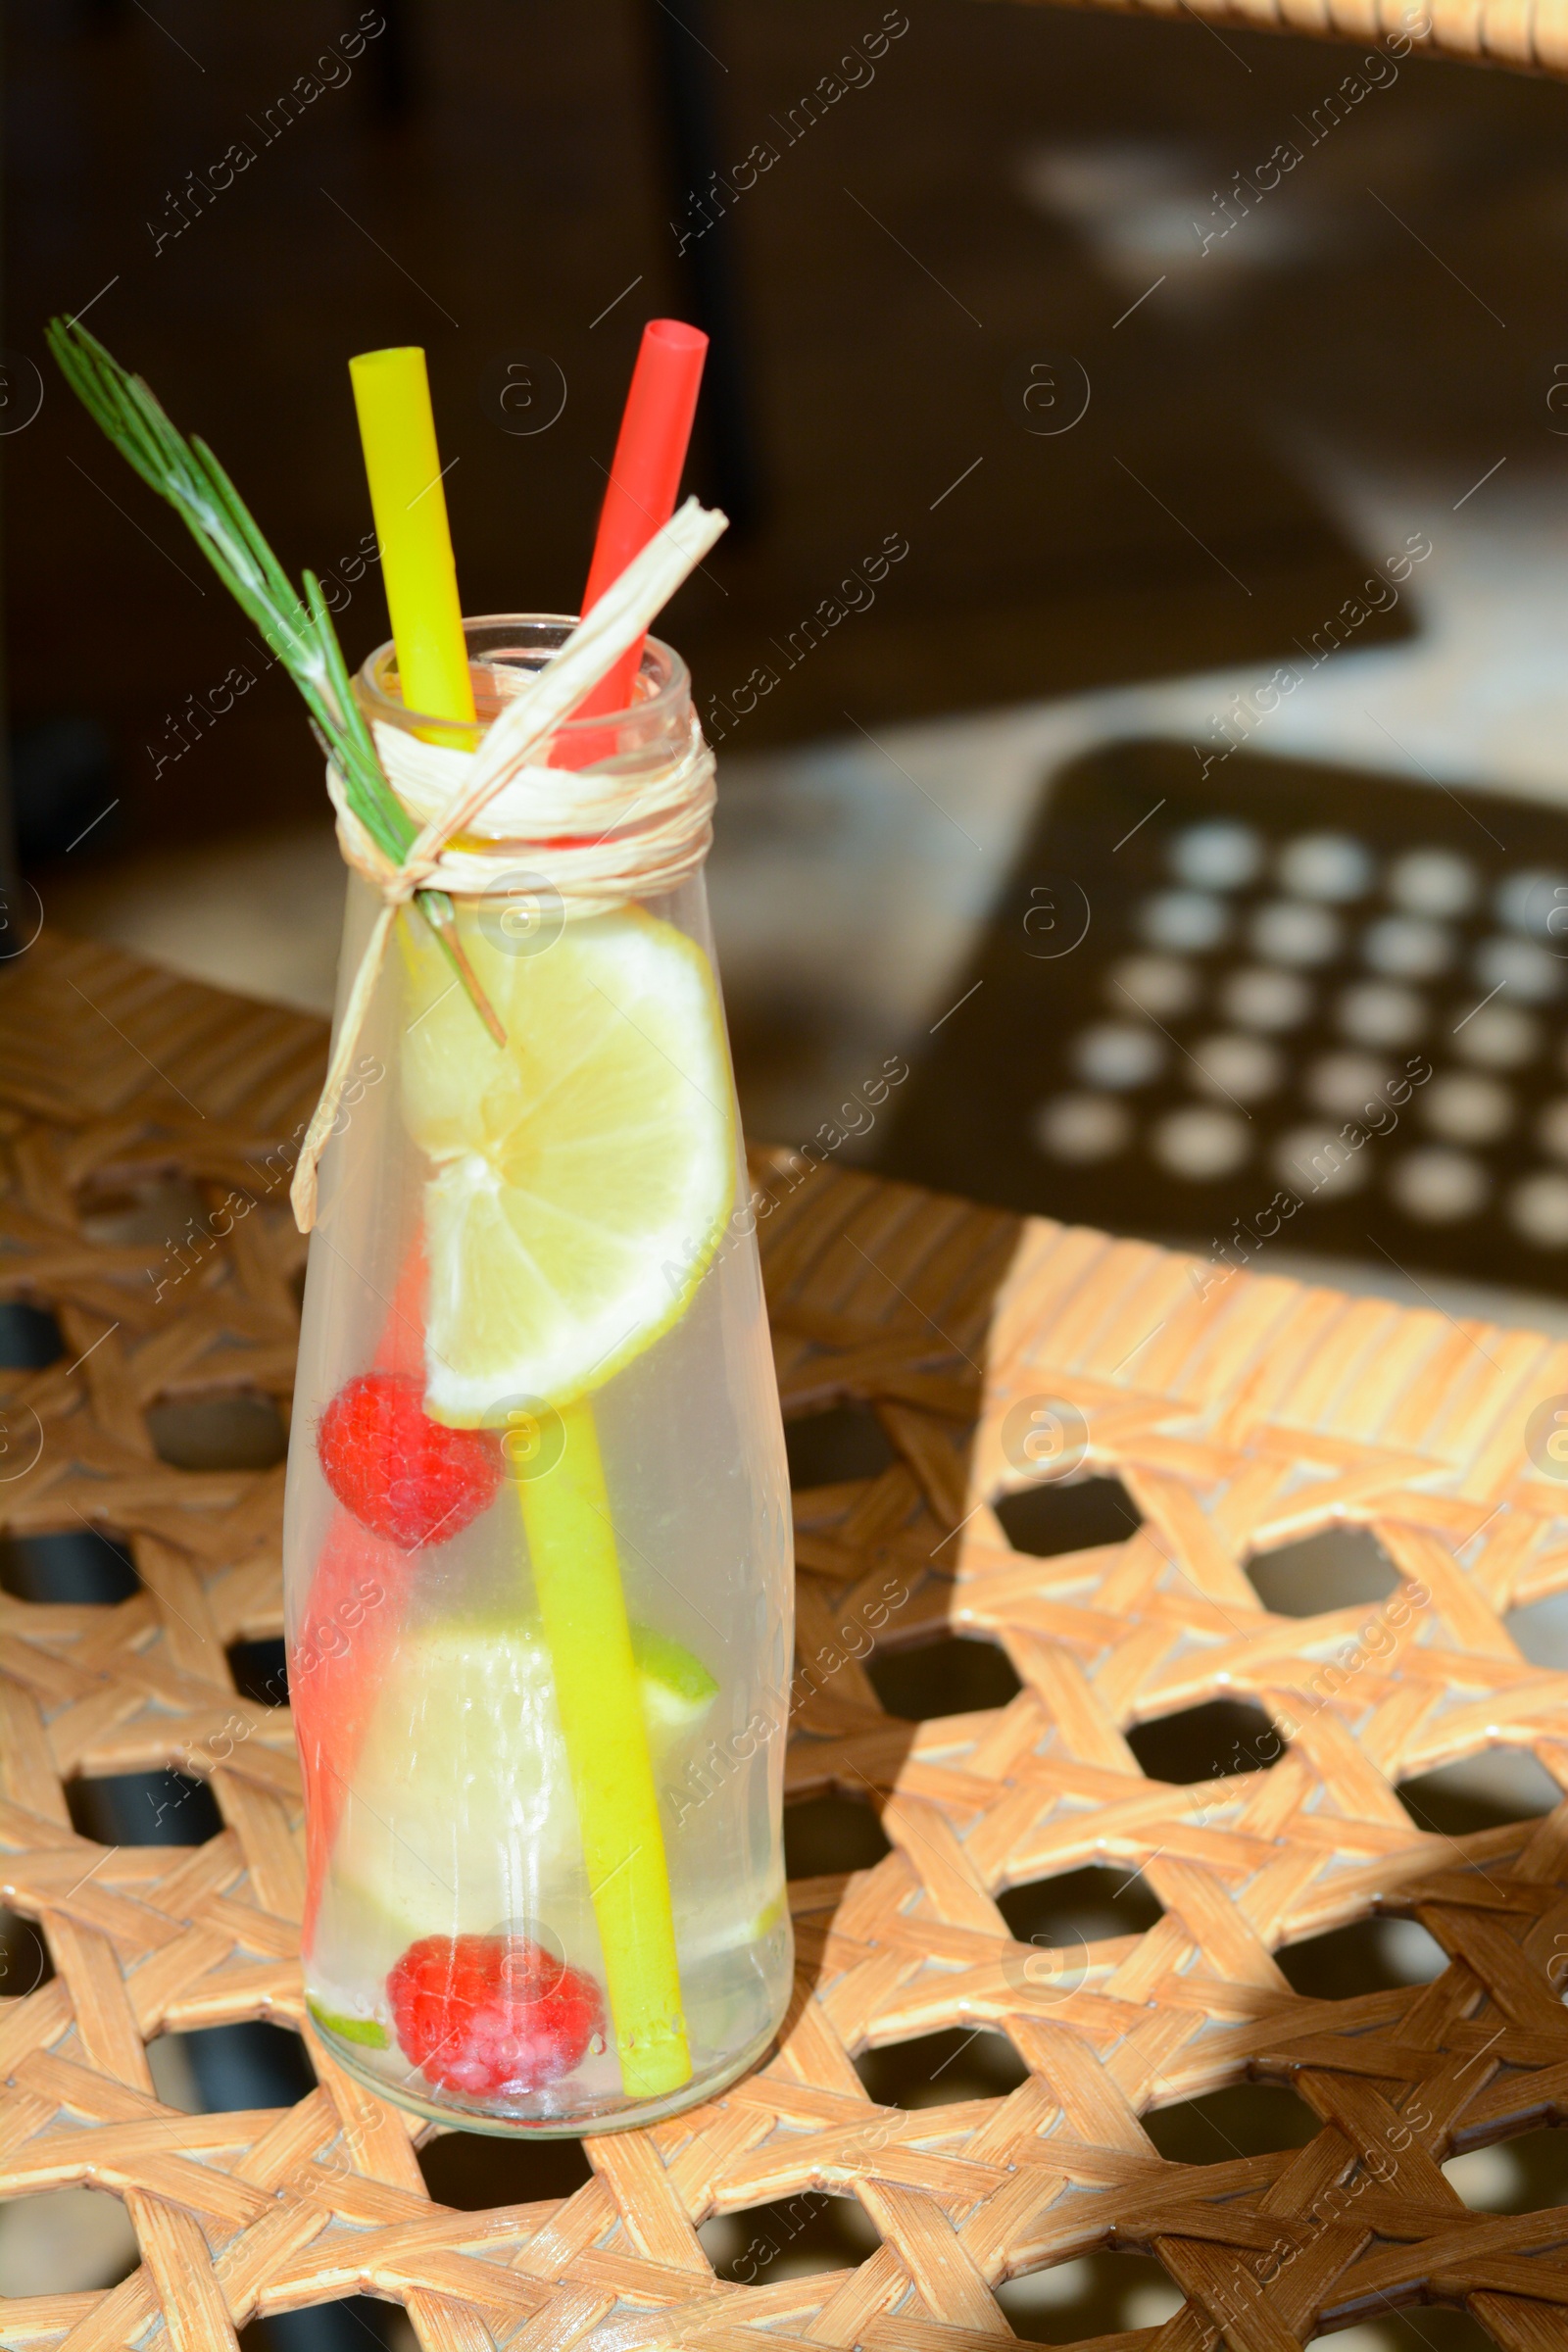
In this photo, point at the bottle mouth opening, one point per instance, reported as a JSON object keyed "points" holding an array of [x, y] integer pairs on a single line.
{"points": [[505, 651]]}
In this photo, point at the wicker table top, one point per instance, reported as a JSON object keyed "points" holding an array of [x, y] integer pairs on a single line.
{"points": [[1239, 1416]]}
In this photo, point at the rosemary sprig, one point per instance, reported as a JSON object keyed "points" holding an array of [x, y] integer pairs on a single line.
{"points": [[299, 629]]}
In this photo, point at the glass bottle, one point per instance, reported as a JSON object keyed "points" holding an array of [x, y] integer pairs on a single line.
{"points": [[538, 1567]]}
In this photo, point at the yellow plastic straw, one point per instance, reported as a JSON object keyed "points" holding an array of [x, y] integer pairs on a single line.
{"points": [[397, 433], [396, 430], [565, 1512], [577, 1583]]}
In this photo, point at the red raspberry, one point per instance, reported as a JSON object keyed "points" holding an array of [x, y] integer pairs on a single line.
{"points": [[482, 2014], [403, 1474]]}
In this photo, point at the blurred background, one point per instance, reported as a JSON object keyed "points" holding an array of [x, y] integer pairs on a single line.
{"points": [[1190, 779], [1179, 362]]}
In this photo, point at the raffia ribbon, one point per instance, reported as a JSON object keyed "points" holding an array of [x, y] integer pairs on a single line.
{"points": [[643, 835]]}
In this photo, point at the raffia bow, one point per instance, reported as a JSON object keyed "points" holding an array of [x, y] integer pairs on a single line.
{"points": [[651, 839]]}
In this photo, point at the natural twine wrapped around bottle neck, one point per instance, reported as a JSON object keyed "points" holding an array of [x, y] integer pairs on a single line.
{"points": [[626, 835], [597, 838]]}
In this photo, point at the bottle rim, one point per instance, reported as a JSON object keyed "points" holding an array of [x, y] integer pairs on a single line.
{"points": [[662, 671]]}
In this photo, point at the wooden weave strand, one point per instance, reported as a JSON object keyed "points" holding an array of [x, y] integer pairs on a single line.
{"points": [[1239, 1415], [1527, 36]]}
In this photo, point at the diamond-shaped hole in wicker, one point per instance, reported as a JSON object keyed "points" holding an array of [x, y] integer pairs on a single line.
{"points": [[1379, 1954], [30, 1337], [162, 1210], [360, 2324], [1422, 2327], [1212, 1742], [473, 2172], [1485, 1790], [792, 2238], [942, 2070], [1242, 2118], [1522, 2175], [82, 1565], [26, 1961], [1334, 1569], [228, 2069], [824, 1834], [1104, 2294], [144, 1808], [1069, 1514], [1540, 1629], [1081, 1906], [846, 1442], [957, 1675], [64, 2241], [261, 1670]]}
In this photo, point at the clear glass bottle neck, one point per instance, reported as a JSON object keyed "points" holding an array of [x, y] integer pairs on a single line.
{"points": [[505, 651]]}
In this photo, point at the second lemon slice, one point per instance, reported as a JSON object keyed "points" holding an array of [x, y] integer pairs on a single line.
{"points": [[584, 1170]]}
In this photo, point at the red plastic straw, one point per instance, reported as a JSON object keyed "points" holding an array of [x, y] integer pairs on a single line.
{"points": [[645, 477]]}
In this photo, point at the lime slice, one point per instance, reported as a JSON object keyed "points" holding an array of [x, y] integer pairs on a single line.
{"points": [[677, 1688], [769, 1918], [584, 1170], [461, 1814], [368, 2032]]}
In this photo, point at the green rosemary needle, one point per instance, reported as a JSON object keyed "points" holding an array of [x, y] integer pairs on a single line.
{"points": [[298, 628]]}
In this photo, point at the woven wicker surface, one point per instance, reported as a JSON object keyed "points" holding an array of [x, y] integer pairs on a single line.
{"points": [[1240, 1416], [1528, 36]]}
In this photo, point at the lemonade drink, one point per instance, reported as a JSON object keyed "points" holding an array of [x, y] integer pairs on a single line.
{"points": [[537, 1536]]}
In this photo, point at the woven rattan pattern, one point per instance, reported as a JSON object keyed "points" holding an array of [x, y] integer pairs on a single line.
{"points": [[1527, 36], [1239, 1415]]}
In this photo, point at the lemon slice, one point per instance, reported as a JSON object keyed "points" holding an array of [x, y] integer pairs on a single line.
{"points": [[584, 1170]]}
